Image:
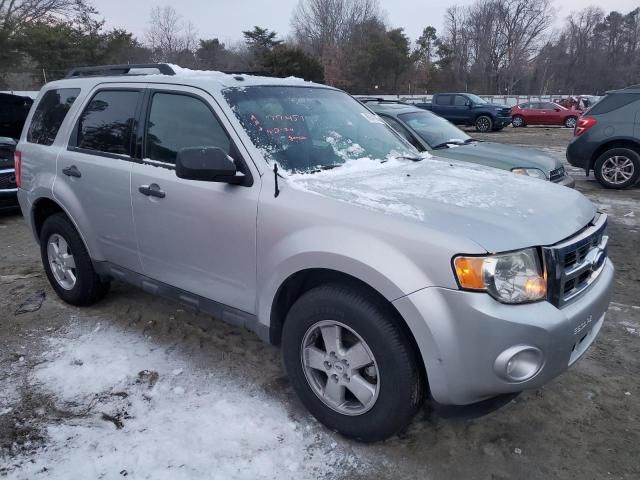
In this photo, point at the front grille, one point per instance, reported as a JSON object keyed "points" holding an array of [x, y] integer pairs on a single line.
{"points": [[8, 180], [576, 263], [6, 156], [557, 174]]}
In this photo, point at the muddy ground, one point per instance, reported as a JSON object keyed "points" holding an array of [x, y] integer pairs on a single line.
{"points": [[585, 424]]}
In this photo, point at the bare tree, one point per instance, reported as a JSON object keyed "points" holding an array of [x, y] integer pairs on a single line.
{"points": [[321, 25], [14, 14], [170, 38]]}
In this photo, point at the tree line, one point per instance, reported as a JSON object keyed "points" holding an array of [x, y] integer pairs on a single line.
{"points": [[490, 47]]}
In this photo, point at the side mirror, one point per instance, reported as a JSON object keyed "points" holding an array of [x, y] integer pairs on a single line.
{"points": [[207, 164], [557, 110], [469, 103]]}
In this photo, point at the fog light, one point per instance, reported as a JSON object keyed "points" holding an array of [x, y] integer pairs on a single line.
{"points": [[519, 364]]}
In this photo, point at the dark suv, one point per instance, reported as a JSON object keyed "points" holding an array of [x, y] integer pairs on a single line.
{"points": [[607, 139]]}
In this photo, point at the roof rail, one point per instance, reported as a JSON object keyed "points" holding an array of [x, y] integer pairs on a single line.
{"points": [[380, 100], [117, 70]]}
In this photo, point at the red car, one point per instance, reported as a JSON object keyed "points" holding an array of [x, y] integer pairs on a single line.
{"points": [[543, 113]]}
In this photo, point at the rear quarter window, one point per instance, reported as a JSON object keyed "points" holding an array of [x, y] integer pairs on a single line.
{"points": [[613, 102], [49, 115]]}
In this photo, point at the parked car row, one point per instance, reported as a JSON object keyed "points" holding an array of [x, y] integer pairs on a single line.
{"points": [[293, 210], [429, 132]]}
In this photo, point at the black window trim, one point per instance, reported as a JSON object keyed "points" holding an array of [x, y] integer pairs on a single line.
{"points": [[73, 137], [140, 138], [414, 141]]}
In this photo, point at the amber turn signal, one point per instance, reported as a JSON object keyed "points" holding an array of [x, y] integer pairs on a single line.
{"points": [[469, 272]]}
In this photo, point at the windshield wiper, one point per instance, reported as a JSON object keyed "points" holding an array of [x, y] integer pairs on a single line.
{"points": [[413, 159], [471, 140], [320, 168], [446, 144]]}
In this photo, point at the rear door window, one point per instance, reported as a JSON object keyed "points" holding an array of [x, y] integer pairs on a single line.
{"points": [[106, 124], [613, 102], [179, 121], [443, 99], [49, 115]]}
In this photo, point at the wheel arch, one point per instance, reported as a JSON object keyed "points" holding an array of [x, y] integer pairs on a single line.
{"points": [[300, 282], [42, 208], [623, 142]]}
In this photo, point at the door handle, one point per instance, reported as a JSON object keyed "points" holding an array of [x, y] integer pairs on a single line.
{"points": [[152, 190], [72, 171]]}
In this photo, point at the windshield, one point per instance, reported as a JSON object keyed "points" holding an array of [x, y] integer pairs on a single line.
{"points": [[307, 129], [433, 129], [475, 99]]}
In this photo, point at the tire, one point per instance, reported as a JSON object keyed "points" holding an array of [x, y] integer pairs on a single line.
{"points": [[74, 280], [484, 124], [570, 122], [518, 121], [627, 162], [398, 382]]}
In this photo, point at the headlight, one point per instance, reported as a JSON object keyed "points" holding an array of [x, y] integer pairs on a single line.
{"points": [[530, 172], [516, 277]]}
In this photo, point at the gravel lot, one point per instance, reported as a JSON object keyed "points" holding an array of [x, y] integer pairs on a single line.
{"points": [[143, 388]]}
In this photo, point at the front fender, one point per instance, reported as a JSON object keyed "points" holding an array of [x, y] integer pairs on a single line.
{"points": [[379, 265]]}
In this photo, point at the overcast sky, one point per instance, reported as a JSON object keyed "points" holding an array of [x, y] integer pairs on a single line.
{"points": [[225, 19]]}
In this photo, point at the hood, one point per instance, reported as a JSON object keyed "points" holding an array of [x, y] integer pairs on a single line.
{"points": [[501, 156], [497, 210], [493, 105]]}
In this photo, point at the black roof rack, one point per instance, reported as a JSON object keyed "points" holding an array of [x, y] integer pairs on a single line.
{"points": [[117, 70], [380, 100]]}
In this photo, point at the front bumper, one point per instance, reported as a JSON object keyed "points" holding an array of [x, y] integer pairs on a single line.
{"points": [[567, 181], [503, 121], [461, 335]]}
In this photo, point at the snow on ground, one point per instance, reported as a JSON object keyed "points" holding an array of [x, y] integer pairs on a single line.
{"points": [[143, 412]]}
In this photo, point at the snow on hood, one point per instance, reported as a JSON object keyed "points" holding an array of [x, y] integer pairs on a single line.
{"points": [[496, 209]]}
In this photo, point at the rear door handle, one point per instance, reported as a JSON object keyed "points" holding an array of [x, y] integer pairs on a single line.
{"points": [[72, 171], [152, 190]]}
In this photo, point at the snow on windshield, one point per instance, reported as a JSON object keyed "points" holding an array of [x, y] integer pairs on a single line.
{"points": [[312, 128]]}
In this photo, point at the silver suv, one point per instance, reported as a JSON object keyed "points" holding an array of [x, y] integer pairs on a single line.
{"points": [[290, 209]]}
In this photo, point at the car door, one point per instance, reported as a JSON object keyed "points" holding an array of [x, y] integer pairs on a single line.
{"points": [[460, 109], [548, 114], [443, 103], [197, 236], [94, 173]]}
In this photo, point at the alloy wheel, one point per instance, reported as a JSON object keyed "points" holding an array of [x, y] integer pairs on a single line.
{"points": [[340, 368], [61, 261], [483, 124], [617, 169], [570, 122]]}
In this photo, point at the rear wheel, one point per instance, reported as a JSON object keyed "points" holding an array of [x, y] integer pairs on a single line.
{"points": [[484, 124], [351, 363], [67, 263], [570, 122], [517, 121], [617, 168]]}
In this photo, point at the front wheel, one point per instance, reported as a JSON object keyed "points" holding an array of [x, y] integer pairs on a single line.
{"points": [[517, 121], [351, 362], [617, 168], [484, 124], [570, 122]]}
